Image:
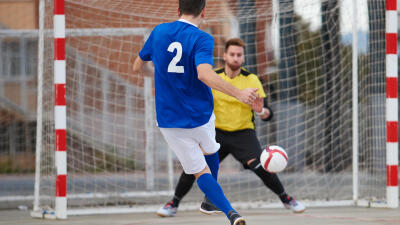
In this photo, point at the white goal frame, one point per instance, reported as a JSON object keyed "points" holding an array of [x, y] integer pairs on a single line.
{"points": [[61, 210]]}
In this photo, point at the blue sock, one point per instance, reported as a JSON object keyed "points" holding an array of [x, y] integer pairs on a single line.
{"points": [[214, 192], [213, 164]]}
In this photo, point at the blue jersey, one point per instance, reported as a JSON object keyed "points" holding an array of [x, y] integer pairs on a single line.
{"points": [[176, 49]]}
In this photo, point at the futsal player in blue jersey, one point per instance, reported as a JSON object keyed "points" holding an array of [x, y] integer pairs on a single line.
{"points": [[183, 59]]}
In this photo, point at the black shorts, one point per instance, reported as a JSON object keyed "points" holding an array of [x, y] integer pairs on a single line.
{"points": [[243, 145]]}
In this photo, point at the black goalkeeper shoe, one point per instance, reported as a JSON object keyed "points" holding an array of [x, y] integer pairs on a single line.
{"points": [[235, 218], [207, 207]]}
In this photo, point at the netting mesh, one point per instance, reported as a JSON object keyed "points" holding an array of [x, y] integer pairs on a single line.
{"points": [[372, 107], [303, 56]]}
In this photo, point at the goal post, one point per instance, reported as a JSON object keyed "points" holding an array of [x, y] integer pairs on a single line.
{"points": [[355, 103], [335, 110], [392, 108]]}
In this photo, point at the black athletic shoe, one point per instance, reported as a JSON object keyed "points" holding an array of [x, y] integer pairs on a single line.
{"points": [[235, 218], [207, 207]]}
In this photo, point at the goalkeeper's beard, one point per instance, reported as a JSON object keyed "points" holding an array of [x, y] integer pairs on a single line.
{"points": [[233, 67]]}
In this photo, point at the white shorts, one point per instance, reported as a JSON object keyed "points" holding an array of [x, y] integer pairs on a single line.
{"points": [[186, 144]]}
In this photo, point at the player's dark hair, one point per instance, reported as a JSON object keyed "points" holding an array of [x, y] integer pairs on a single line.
{"points": [[235, 42], [191, 7]]}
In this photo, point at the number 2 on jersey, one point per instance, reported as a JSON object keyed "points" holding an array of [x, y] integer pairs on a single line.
{"points": [[172, 67]]}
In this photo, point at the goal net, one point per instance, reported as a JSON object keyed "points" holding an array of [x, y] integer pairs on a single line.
{"points": [[302, 53]]}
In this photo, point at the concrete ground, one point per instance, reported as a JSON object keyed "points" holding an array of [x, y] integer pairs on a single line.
{"points": [[313, 216]]}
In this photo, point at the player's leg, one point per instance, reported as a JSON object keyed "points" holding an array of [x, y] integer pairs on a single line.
{"points": [[213, 163], [223, 152], [184, 185], [192, 160], [186, 145], [207, 207], [213, 191], [205, 135]]}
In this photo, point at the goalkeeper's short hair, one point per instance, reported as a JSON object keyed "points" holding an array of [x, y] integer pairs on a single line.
{"points": [[235, 42]]}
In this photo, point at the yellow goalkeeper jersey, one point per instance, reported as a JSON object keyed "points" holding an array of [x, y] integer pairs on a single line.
{"points": [[230, 113]]}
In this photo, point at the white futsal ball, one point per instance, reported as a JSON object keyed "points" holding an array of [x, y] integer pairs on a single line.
{"points": [[273, 159]]}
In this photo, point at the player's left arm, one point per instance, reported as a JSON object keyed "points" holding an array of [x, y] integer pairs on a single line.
{"points": [[145, 55], [138, 64], [142, 66]]}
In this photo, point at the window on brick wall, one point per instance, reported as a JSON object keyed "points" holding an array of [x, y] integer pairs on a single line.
{"points": [[18, 57]]}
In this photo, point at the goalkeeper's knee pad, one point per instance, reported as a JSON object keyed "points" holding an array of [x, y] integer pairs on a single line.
{"points": [[255, 165], [270, 180]]}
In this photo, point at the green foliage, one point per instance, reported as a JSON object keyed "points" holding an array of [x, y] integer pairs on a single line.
{"points": [[99, 161], [17, 164], [309, 61], [6, 166]]}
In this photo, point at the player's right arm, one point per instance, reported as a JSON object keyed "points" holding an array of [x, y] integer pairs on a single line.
{"points": [[207, 75]]}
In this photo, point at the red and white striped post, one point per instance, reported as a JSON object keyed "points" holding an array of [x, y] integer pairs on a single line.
{"points": [[60, 110], [392, 182]]}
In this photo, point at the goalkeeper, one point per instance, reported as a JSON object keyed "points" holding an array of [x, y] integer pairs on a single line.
{"points": [[235, 132]]}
